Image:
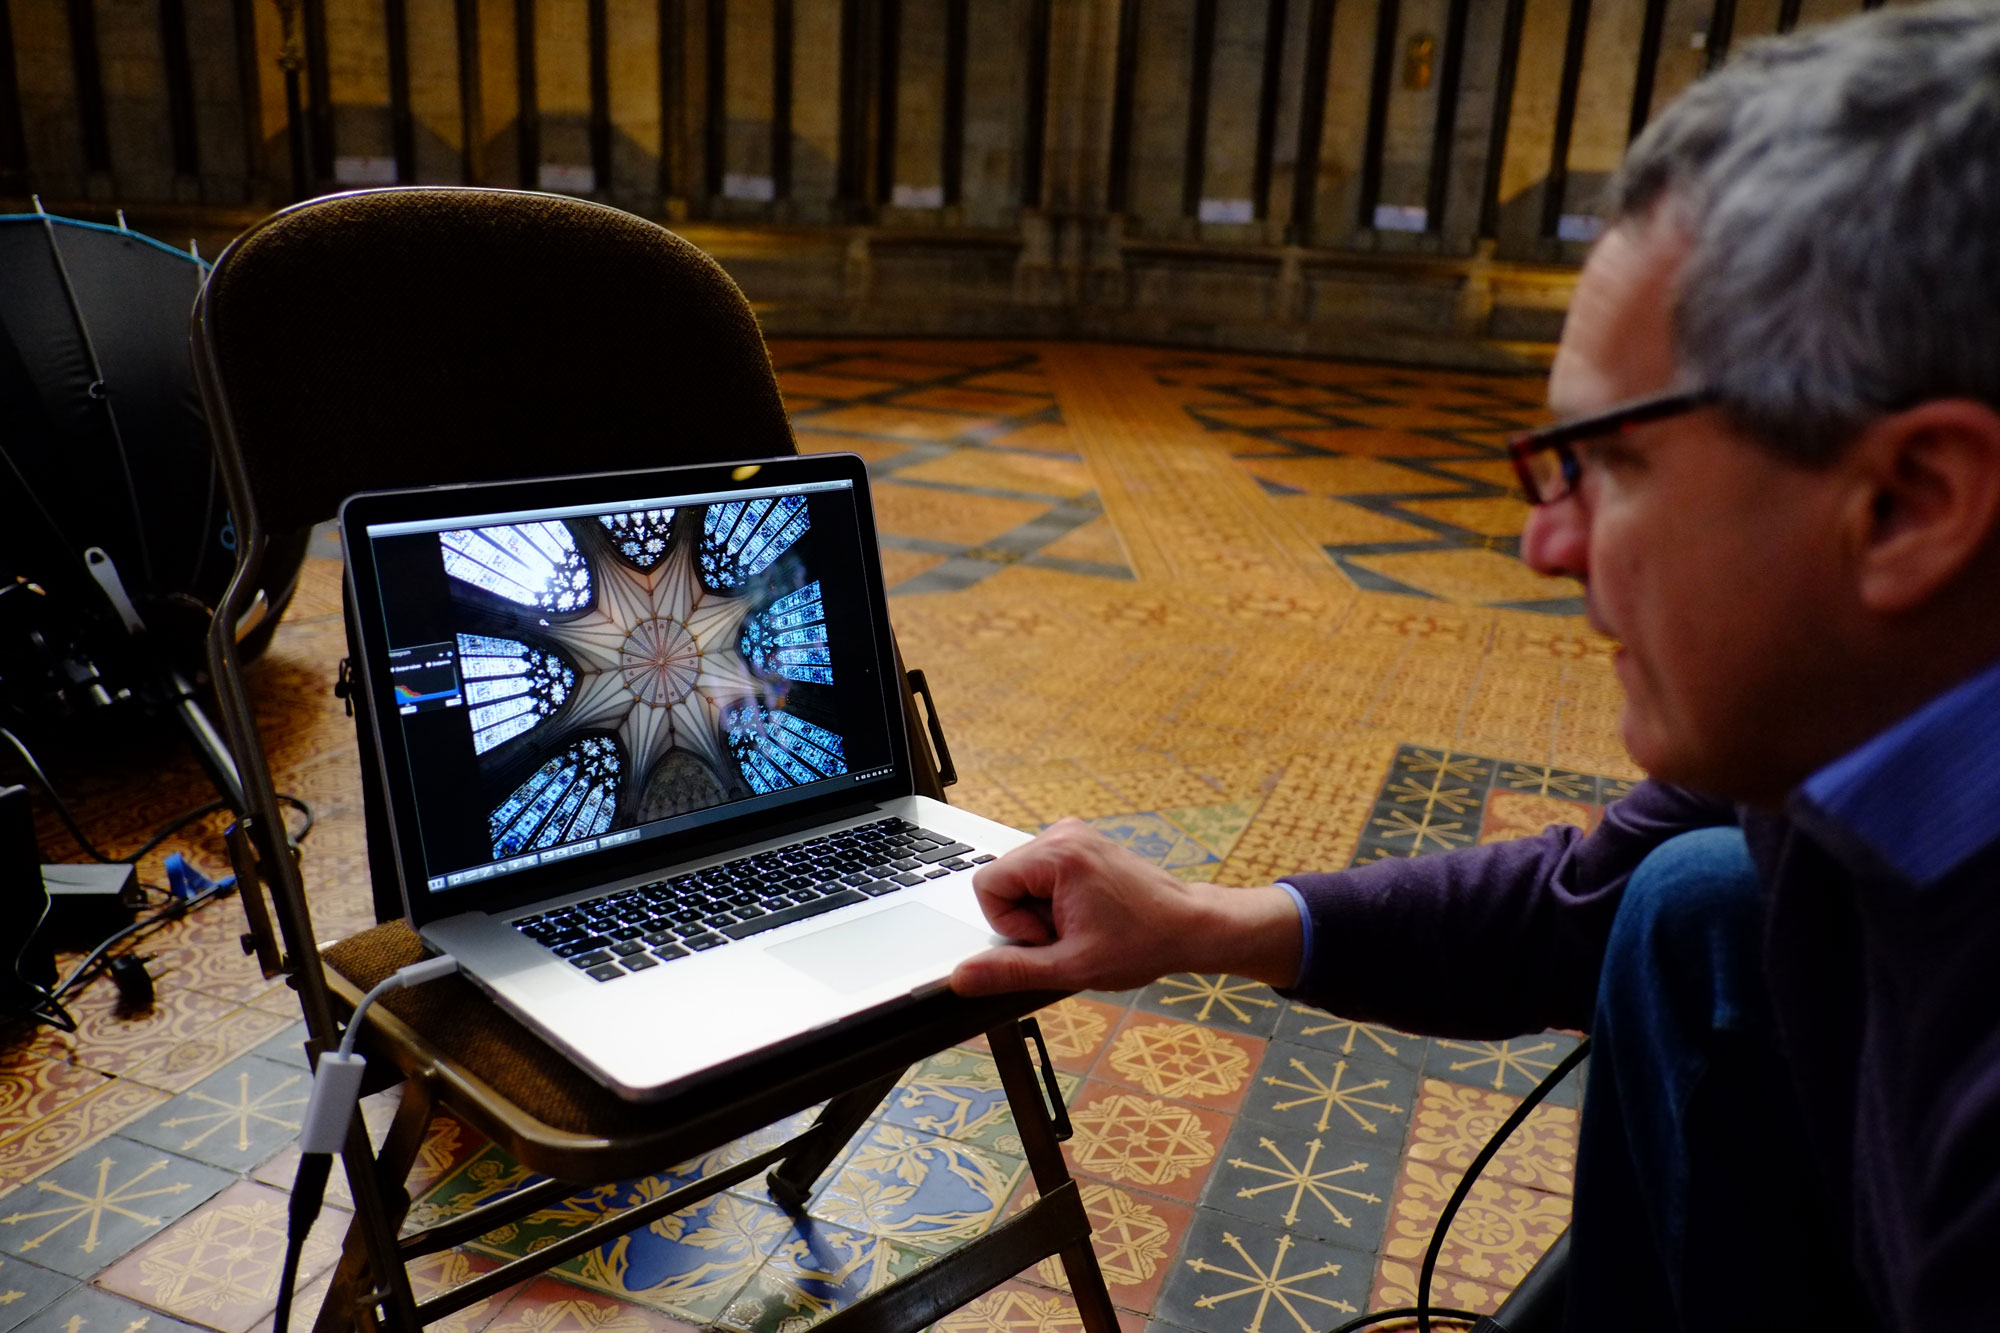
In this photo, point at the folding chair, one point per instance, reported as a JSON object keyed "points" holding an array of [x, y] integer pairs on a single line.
{"points": [[421, 336]]}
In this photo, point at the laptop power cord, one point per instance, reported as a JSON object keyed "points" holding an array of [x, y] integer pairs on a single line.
{"points": [[1542, 1294], [336, 1090]]}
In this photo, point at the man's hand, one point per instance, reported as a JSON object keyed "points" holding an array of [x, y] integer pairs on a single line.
{"points": [[1091, 915]]}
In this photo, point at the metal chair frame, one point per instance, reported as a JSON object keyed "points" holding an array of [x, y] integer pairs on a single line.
{"points": [[372, 1287]]}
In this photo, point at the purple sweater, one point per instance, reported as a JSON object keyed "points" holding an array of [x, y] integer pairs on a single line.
{"points": [[1882, 953]]}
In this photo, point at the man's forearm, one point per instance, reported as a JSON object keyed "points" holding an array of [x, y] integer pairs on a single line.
{"points": [[1253, 933]]}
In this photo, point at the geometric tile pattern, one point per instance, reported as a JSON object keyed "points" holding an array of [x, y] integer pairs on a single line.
{"points": [[1245, 615]]}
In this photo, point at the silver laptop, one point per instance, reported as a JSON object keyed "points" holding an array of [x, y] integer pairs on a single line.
{"points": [[645, 761]]}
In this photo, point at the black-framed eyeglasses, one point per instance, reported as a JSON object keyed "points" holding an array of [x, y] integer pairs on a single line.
{"points": [[1545, 460]]}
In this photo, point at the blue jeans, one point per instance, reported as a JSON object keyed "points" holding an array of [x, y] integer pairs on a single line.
{"points": [[1696, 1201]]}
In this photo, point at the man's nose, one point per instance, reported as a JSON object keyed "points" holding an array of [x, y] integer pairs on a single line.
{"points": [[1557, 538]]}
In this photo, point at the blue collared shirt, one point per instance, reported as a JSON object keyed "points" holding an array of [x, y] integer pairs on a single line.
{"points": [[1922, 794]]}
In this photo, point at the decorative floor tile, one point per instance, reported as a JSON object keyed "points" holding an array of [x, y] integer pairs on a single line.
{"points": [[101, 1203], [88, 1310], [26, 1288], [1020, 1307], [1185, 1061], [688, 1264], [550, 1305], [1515, 1065], [112, 1042], [1156, 839], [957, 1094], [58, 1138], [818, 1269], [287, 1047], [236, 1117], [917, 1188], [1335, 1189], [1396, 1287], [1135, 1234], [1498, 1234], [1144, 1142], [183, 1066], [1235, 1004], [219, 1266], [484, 1175], [1519, 814], [1075, 1029], [1238, 1277], [1306, 1026], [1454, 1122], [34, 1086], [1321, 1093]]}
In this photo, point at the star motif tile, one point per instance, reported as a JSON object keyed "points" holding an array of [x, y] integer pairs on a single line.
{"points": [[88, 1310], [1238, 1277], [25, 1289], [1305, 1026], [1324, 1093], [1334, 1189], [101, 1203], [236, 1117], [1231, 1003], [1515, 1064]]}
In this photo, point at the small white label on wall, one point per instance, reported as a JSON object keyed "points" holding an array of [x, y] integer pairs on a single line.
{"points": [[917, 196], [1227, 210], [1579, 227], [760, 188], [567, 179], [1401, 217], [364, 170]]}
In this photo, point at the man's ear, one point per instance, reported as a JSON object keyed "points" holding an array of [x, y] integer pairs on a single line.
{"points": [[1931, 476]]}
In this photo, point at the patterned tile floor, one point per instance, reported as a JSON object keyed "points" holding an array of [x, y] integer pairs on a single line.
{"points": [[1246, 615]]}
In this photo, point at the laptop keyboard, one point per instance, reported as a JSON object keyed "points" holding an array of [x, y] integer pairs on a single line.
{"points": [[636, 929]]}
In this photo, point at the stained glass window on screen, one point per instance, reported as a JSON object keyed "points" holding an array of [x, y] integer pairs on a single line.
{"points": [[534, 564], [775, 750], [741, 539], [510, 686], [574, 795], [788, 638]]}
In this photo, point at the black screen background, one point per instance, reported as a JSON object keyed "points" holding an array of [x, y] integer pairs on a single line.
{"points": [[455, 793]]}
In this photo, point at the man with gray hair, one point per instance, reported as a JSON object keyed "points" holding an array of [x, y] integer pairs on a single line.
{"points": [[1777, 474]]}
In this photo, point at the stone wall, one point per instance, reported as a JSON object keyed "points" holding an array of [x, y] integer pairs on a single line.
{"points": [[1201, 256]]}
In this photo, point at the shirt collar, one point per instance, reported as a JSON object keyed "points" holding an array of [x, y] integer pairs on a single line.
{"points": [[1921, 794]]}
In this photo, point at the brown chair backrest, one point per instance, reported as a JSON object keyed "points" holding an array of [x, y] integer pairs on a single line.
{"points": [[433, 335], [411, 337]]}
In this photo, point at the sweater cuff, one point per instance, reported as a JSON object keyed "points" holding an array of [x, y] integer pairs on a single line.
{"points": [[1305, 928]]}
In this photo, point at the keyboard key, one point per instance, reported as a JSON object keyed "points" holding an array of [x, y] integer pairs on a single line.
{"points": [[594, 959], [583, 945], [666, 953], [605, 972], [983, 858], [744, 930], [640, 962], [703, 941], [939, 838], [944, 853], [938, 873], [659, 937], [957, 863], [906, 863], [907, 877], [626, 948], [880, 887], [856, 877]]}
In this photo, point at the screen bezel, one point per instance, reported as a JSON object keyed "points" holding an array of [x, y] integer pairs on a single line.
{"points": [[611, 490]]}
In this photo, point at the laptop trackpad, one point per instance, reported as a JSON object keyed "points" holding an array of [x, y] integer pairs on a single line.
{"points": [[860, 955]]}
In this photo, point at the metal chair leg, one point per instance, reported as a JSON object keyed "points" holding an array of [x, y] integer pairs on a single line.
{"points": [[1045, 1159], [356, 1273], [792, 1182]]}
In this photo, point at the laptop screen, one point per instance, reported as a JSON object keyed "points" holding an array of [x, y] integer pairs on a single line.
{"points": [[569, 681]]}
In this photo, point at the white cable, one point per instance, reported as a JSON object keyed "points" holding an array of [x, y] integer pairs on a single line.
{"points": [[337, 1078]]}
